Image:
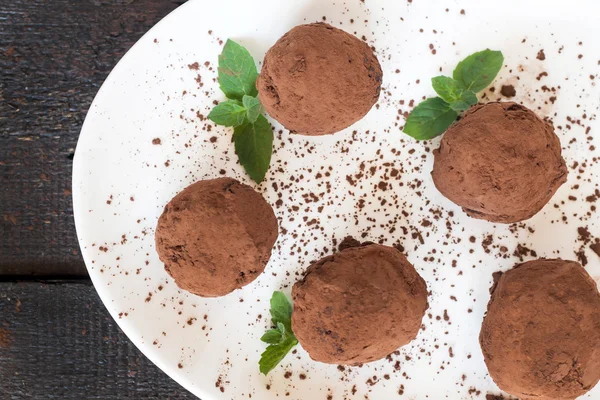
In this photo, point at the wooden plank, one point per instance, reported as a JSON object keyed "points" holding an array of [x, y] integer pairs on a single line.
{"points": [[54, 55], [57, 341]]}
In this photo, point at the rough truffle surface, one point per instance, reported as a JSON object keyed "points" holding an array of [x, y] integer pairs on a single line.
{"points": [[216, 236], [501, 163], [318, 80], [541, 335], [358, 305]]}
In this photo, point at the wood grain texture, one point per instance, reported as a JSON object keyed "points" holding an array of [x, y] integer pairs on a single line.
{"points": [[57, 341], [54, 55]]}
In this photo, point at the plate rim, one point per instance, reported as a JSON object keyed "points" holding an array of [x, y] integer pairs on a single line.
{"points": [[78, 215]]}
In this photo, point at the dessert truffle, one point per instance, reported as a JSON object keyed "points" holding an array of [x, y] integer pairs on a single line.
{"points": [[216, 236], [358, 305], [541, 335], [500, 162], [318, 80]]}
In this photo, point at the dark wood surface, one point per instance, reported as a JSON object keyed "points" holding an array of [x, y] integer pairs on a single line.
{"points": [[57, 340], [54, 55]]}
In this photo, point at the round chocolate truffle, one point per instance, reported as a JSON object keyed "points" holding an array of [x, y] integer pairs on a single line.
{"points": [[318, 80], [541, 335], [500, 162], [358, 305], [216, 236]]}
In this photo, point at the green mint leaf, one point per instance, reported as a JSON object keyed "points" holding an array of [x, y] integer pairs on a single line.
{"points": [[447, 88], [429, 119], [237, 71], [466, 100], [275, 353], [282, 339], [452, 93], [272, 336], [281, 310], [228, 113], [253, 107], [276, 336], [478, 70], [281, 327], [254, 146], [284, 332]]}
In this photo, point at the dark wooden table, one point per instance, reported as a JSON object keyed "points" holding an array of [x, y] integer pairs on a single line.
{"points": [[56, 339]]}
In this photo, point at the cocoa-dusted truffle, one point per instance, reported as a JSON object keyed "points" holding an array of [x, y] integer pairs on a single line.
{"points": [[500, 162], [541, 335], [216, 236], [358, 305], [318, 80]]}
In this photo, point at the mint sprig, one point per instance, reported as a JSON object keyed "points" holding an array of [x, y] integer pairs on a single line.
{"points": [[281, 339], [253, 136], [433, 116]]}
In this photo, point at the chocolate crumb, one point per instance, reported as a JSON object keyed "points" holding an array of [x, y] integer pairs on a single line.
{"points": [[494, 397], [596, 248], [540, 55], [347, 243], [508, 91]]}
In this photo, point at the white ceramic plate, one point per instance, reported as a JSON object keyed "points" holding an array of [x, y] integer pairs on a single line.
{"points": [[121, 182]]}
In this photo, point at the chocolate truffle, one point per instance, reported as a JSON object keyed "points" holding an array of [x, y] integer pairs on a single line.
{"points": [[358, 305], [318, 80], [541, 335], [216, 236], [500, 162]]}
